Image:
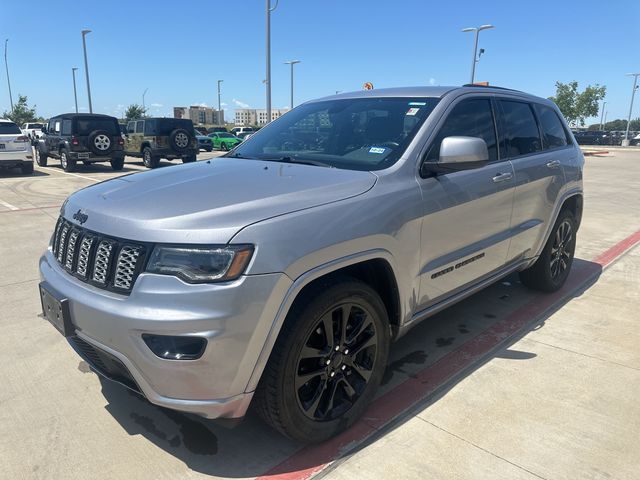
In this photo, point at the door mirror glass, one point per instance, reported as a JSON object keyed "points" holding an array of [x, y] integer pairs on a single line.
{"points": [[458, 153]]}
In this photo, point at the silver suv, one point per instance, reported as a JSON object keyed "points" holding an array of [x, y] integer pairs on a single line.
{"points": [[279, 275]]}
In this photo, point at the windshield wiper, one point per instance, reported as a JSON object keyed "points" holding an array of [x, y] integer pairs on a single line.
{"points": [[301, 161]]}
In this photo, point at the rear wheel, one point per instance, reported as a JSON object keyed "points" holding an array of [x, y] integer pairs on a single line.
{"points": [[68, 164], [27, 168], [552, 268], [327, 362], [117, 163], [149, 159], [41, 158], [86, 162]]}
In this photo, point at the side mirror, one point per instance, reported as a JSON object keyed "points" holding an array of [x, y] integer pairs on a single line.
{"points": [[43, 129], [458, 153]]}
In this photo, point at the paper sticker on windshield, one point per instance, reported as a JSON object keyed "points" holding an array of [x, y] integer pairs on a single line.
{"points": [[377, 150], [413, 111], [417, 104]]}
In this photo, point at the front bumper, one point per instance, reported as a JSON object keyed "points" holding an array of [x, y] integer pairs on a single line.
{"points": [[235, 318]]}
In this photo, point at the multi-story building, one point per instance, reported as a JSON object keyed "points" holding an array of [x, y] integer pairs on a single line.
{"points": [[200, 115], [252, 116]]}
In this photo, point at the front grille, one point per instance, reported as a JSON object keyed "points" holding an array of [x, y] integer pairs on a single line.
{"points": [[104, 363], [109, 263]]}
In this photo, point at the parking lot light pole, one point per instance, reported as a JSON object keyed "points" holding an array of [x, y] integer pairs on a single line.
{"points": [[625, 141], [75, 91], [6, 66], [86, 67], [220, 119], [144, 108], [268, 73], [602, 115], [474, 60], [292, 63]]}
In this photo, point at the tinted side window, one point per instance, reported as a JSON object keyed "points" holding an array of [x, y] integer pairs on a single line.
{"points": [[553, 133], [66, 127], [140, 126], [469, 118], [519, 129], [131, 127]]}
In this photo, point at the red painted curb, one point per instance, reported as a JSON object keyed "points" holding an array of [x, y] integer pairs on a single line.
{"points": [[313, 459]]}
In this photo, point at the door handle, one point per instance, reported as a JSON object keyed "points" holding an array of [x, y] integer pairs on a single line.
{"points": [[502, 177], [553, 164]]}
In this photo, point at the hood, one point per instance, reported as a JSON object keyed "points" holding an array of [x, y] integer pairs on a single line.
{"points": [[208, 201]]}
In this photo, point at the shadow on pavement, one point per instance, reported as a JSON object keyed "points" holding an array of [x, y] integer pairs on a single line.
{"points": [[17, 173], [253, 449]]}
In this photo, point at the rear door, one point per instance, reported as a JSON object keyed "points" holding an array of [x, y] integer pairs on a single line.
{"points": [[538, 145], [465, 229]]}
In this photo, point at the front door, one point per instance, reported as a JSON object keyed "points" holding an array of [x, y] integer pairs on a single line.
{"points": [[465, 229]]}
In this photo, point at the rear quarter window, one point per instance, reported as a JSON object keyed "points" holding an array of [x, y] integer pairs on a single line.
{"points": [[519, 130], [554, 134]]}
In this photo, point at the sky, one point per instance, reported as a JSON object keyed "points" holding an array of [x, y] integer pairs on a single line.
{"points": [[178, 50]]}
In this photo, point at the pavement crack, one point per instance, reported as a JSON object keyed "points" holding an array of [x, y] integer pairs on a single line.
{"points": [[585, 355], [483, 449]]}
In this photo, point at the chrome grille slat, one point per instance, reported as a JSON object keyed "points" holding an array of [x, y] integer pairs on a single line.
{"points": [[102, 261], [71, 249], [101, 264], [83, 256], [126, 266]]}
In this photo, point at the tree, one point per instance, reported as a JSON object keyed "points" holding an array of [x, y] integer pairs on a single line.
{"points": [[135, 111], [21, 113], [576, 106], [617, 125]]}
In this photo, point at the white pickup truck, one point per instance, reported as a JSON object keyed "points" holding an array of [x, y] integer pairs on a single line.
{"points": [[32, 130]]}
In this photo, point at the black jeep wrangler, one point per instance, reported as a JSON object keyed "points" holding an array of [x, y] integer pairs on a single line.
{"points": [[156, 138], [86, 137]]}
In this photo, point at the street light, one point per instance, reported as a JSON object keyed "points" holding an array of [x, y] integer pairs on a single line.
{"points": [[474, 60], [602, 115], [6, 65], [220, 118], [268, 42], [86, 67], [143, 94], [625, 141], [292, 63], [75, 92]]}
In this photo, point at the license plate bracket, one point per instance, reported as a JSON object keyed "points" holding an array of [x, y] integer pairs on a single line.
{"points": [[55, 309]]}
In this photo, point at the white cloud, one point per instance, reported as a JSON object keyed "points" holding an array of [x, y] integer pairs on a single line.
{"points": [[157, 105], [432, 81], [224, 104], [240, 103]]}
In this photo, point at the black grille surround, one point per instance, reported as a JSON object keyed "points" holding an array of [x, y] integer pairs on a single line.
{"points": [[104, 363], [102, 261]]}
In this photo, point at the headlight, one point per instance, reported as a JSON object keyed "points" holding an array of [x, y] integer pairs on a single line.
{"points": [[200, 264]]}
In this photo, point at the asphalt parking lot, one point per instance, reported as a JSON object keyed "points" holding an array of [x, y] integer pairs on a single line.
{"points": [[509, 383]]}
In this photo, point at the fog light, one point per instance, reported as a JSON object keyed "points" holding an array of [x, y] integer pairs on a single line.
{"points": [[175, 348]]}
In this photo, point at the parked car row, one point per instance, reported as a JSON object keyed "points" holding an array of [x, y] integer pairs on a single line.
{"points": [[601, 137]]}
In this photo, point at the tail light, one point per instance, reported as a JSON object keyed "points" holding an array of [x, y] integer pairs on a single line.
{"points": [[120, 141], [22, 139], [75, 141]]}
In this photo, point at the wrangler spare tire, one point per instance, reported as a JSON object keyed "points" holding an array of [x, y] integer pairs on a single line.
{"points": [[179, 139], [100, 143]]}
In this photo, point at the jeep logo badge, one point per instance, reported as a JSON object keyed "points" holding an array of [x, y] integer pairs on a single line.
{"points": [[80, 216]]}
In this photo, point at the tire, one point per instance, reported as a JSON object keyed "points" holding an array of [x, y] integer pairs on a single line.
{"points": [[179, 139], [189, 159], [68, 164], [117, 163], [209, 149], [149, 159], [86, 162], [27, 168], [100, 142], [552, 268], [41, 158], [308, 411]]}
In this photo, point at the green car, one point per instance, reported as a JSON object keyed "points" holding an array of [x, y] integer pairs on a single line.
{"points": [[224, 141]]}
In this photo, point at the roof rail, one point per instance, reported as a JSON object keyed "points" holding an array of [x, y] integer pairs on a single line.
{"points": [[490, 86]]}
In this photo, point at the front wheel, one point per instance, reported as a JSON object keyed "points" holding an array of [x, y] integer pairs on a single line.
{"points": [[327, 362], [41, 158], [551, 270], [149, 159]]}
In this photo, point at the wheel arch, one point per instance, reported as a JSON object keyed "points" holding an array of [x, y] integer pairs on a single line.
{"points": [[376, 268], [144, 145]]}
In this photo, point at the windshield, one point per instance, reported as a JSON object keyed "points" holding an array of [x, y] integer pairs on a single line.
{"points": [[86, 125], [354, 134]]}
